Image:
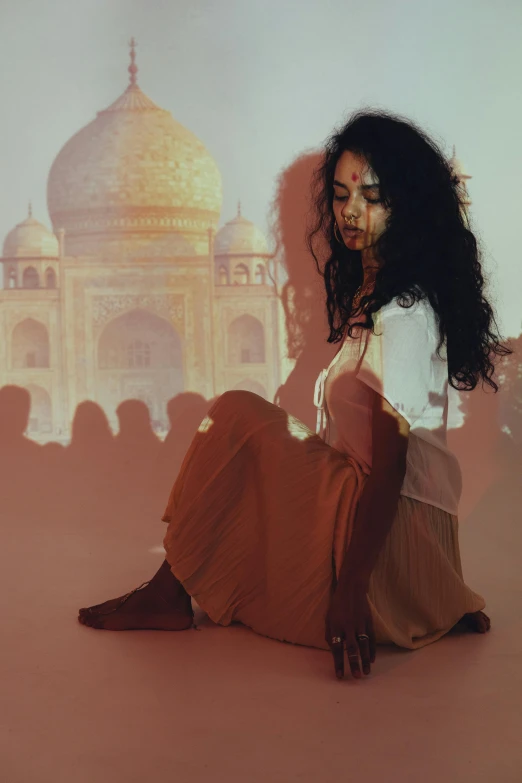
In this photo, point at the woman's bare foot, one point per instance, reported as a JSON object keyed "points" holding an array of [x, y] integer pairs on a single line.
{"points": [[161, 604], [476, 621]]}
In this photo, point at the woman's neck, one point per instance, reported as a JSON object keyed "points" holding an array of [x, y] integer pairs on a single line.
{"points": [[370, 266], [369, 275]]}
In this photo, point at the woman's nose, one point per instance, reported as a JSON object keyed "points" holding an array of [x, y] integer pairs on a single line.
{"points": [[351, 207]]}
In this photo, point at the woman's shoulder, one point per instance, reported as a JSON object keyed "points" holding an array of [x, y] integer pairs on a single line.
{"points": [[416, 322], [421, 308]]}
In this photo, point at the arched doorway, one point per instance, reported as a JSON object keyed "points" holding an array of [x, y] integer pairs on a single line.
{"points": [[139, 357], [30, 278], [246, 341], [30, 345], [41, 415], [50, 278], [241, 275]]}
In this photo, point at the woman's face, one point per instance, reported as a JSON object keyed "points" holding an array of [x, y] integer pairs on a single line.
{"points": [[356, 192]]}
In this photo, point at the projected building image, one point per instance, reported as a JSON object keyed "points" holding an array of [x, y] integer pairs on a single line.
{"points": [[135, 293]]}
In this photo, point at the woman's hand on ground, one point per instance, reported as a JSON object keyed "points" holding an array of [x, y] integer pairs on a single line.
{"points": [[348, 617]]}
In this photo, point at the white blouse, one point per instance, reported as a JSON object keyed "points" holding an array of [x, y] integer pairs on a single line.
{"points": [[400, 363]]}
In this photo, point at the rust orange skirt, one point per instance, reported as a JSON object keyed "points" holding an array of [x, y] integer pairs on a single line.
{"points": [[259, 519]]}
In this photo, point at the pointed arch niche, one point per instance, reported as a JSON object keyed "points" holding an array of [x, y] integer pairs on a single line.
{"points": [[241, 275], [29, 345], [246, 341], [260, 274], [140, 356], [30, 278], [50, 278]]}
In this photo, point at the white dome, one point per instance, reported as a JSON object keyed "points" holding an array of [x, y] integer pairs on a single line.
{"points": [[240, 237], [30, 239]]}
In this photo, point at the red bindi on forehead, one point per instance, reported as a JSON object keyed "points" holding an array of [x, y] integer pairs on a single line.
{"points": [[355, 177]]}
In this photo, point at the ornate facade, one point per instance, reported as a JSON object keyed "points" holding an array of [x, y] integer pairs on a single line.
{"points": [[135, 294]]}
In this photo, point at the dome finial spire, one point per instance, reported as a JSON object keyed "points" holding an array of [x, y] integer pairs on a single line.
{"points": [[30, 213], [239, 208], [133, 68]]}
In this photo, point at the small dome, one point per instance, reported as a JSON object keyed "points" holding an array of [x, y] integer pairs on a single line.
{"points": [[457, 167], [30, 239], [458, 171], [240, 237]]}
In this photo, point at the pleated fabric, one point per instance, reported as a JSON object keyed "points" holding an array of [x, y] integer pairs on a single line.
{"points": [[259, 520]]}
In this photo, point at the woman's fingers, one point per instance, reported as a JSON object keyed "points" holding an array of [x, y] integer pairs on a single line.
{"points": [[353, 659], [337, 649], [357, 651], [364, 647], [373, 645], [343, 624]]}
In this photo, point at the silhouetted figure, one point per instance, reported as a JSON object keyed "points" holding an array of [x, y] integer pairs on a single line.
{"points": [[475, 444], [22, 476], [510, 407], [186, 411], [302, 294], [90, 471], [137, 450]]}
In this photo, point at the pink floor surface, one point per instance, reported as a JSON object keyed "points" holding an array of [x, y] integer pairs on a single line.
{"points": [[225, 704]]}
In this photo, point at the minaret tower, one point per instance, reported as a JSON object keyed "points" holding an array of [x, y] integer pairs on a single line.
{"points": [[133, 68], [458, 169]]}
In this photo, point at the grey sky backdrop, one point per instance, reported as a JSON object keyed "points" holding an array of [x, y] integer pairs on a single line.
{"points": [[262, 82]]}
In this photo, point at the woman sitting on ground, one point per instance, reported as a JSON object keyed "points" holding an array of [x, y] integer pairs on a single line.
{"points": [[347, 537]]}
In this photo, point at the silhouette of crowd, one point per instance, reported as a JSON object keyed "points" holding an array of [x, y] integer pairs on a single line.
{"points": [[102, 478], [99, 476]]}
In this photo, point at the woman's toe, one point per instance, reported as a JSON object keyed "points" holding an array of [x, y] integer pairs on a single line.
{"points": [[87, 617]]}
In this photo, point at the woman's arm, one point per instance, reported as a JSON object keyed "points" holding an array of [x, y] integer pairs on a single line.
{"points": [[380, 496], [373, 521]]}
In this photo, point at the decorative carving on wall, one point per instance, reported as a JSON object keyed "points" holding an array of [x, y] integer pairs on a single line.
{"points": [[127, 218], [111, 305]]}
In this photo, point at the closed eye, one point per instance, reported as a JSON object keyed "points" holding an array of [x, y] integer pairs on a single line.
{"points": [[368, 200]]}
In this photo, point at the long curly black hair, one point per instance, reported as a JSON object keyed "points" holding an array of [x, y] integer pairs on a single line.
{"points": [[426, 249]]}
